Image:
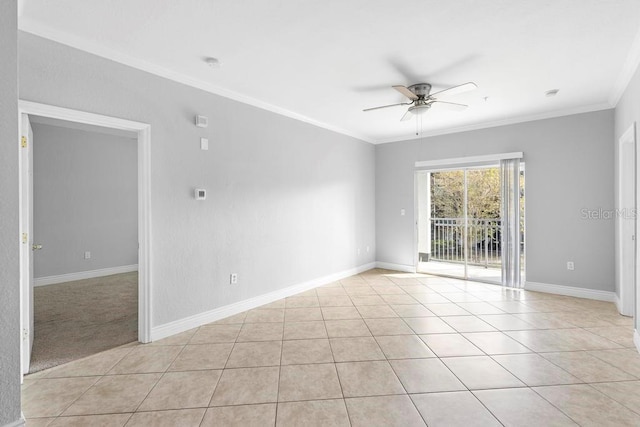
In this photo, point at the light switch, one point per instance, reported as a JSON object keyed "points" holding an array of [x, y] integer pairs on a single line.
{"points": [[204, 144], [402, 212]]}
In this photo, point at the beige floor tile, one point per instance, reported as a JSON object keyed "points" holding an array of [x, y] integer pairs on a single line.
{"points": [[428, 325], [431, 298], [404, 347], [309, 382], [335, 301], [183, 417], [255, 354], [98, 364], [411, 310], [388, 289], [467, 324], [274, 304], [373, 299], [587, 406], [261, 315], [177, 339], [302, 314], [261, 332], [304, 330], [355, 349], [481, 372], [446, 345], [114, 394], [216, 334], [181, 390], [626, 359], [112, 420], [425, 376], [453, 409], [622, 335], [50, 397], [506, 322], [368, 379], [309, 293], [331, 291], [362, 291], [415, 289], [241, 416], [513, 307], [395, 326], [340, 313], [496, 343], [521, 407], [383, 411], [246, 385], [201, 357], [534, 370], [376, 311], [447, 309], [347, 328], [479, 308], [39, 422], [402, 299], [543, 340], [314, 413], [626, 393], [584, 340], [302, 302], [586, 367], [545, 320], [147, 359], [306, 351]]}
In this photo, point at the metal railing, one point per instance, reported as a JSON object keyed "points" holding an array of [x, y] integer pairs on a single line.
{"points": [[483, 240]]}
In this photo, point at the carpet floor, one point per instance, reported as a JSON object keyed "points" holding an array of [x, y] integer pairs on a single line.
{"points": [[84, 317]]}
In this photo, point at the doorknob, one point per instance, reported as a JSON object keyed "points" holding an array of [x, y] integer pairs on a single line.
{"points": [[36, 247]]}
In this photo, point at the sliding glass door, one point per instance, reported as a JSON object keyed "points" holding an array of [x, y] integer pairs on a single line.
{"points": [[461, 223]]}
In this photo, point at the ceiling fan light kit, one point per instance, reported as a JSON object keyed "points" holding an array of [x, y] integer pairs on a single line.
{"points": [[422, 99]]}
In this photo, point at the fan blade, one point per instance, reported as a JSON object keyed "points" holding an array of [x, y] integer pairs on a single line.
{"points": [[405, 91], [386, 106], [407, 116], [465, 87], [452, 106]]}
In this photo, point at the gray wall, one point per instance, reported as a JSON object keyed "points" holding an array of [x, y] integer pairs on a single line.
{"points": [[9, 230], [569, 167], [287, 202], [627, 112], [85, 199]]}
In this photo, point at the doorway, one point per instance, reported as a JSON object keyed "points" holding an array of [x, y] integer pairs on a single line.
{"points": [[141, 134], [461, 222]]}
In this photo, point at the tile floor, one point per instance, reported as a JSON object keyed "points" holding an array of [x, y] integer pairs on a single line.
{"points": [[376, 349]]}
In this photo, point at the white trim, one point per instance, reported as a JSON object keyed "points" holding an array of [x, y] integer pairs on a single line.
{"points": [[631, 64], [636, 339], [200, 319], [471, 160], [134, 62], [81, 275], [17, 423], [571, 291], [616, 301], [143, 131], [498, 123], [396, 267]]}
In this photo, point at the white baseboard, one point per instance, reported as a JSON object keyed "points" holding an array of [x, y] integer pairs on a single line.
{"points": [[571, 291], [636, 339], [396, 267], [200, 319], [81, 275], [617, 302]]}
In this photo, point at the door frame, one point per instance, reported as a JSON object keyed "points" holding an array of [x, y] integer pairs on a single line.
{"points": [[625, 302], [143, 131]]}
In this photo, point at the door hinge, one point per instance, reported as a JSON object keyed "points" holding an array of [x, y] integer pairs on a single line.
{"points": [[23, 142], [25, 238], [25, 334]]}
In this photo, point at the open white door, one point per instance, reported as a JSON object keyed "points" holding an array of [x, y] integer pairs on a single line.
{"points": [[26, 228], [626, 222]]}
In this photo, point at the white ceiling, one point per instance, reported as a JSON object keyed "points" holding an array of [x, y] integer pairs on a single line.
{"points": [[323, 61]]}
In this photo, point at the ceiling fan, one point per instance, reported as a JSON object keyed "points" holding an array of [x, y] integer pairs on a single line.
{"points": [[422, 99]]}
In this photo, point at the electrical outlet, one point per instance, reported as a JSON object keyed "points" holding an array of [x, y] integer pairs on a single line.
{"points": [[233, 279], [570, 266], [87, 255]]}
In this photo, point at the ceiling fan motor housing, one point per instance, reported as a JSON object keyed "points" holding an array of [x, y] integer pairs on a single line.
{"points": [[420, 89]]}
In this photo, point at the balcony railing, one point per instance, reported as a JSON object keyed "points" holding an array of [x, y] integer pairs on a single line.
{"points": [[483, 240]]}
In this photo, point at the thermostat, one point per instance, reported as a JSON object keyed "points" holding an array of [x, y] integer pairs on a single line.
{"points": [[202, 121], [201, 194]]}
